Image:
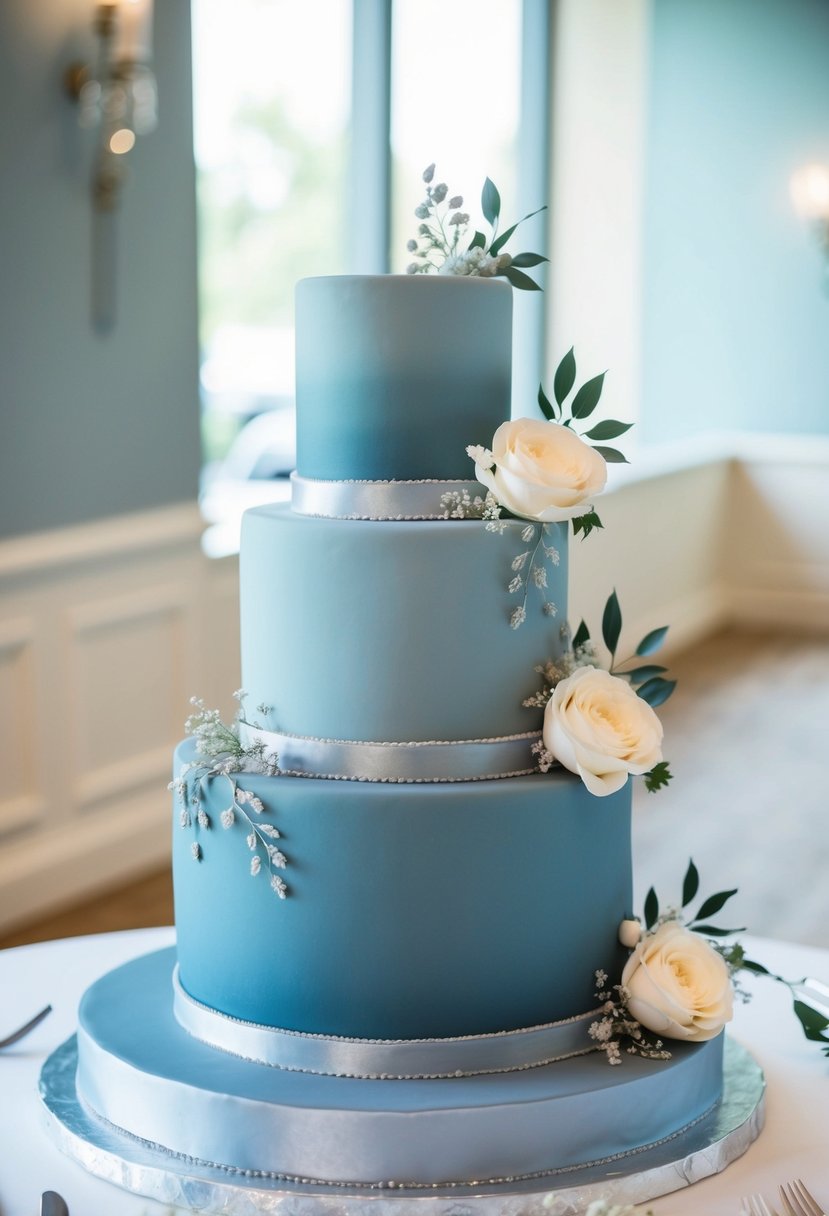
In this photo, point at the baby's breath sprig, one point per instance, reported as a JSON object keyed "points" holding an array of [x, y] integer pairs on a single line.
{"points": [[616, 1024], [221, 754], [530, 568], [440, 244]]}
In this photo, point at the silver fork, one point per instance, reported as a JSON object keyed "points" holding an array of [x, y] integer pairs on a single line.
{"points": [[755, 1205], [21, 1033], [797, 1201]]}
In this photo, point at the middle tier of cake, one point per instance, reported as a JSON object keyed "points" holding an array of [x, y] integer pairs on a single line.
{"points": [[394, 631]]}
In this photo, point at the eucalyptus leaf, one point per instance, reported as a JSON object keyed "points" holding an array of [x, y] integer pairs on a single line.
{"points": [[758, 968], [609, 429], [586, 523], [612, 623], [581, 636], [490, 202], [611, 455], [638, 675], [656, 691], [498, 244], [652, 641], [690, 884], [715, 930], [651, 909], [587, 398], [658, 776], [478, 241], [565, 376], [712, 905], [529, 259], [814, 1024], [545, 405], [520, 280]]}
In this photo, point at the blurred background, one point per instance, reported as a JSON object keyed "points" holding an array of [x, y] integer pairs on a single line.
{"points": [[170, 171]]}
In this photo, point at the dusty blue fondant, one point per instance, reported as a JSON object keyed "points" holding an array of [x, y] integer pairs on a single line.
{"points": [[413, 910], [397, 374], [391, 631], [139, 1070]]}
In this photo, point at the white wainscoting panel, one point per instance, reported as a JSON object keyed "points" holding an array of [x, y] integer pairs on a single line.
{"points": [[105, 633]]}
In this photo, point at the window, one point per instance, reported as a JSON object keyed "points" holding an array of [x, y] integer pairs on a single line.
{"points": [[291, 183]]}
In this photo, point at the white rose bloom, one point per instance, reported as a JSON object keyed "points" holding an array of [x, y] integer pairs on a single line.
{"points": [[596, 726], [543, 471], [630, 931], [679, 985]]}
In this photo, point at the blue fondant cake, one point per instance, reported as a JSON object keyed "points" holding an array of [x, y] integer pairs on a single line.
{"points": [[444, 905]]}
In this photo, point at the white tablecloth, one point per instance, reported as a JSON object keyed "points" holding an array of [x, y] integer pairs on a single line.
{"points": [[795, 1142]]}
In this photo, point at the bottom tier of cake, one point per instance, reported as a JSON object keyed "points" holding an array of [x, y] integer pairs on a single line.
{"points": [[139, 1071]]}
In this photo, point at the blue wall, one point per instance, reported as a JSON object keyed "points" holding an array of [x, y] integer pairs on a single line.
{"points": [[91, 424], [735, 322]]}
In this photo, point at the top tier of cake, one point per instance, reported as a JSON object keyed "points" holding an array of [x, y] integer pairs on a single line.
{"points": [[397, 374]]}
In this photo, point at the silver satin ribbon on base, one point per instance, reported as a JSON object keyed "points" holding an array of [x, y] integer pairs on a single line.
{"points": [[380, 500], [436, 761], [384, 1059]]}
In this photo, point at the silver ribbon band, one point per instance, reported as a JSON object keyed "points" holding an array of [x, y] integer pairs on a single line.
{"points": [[381, 500], [350, 760], [384, 1059]]}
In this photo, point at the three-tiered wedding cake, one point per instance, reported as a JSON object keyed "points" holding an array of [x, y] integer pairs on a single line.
{"points": [[387, 947]]}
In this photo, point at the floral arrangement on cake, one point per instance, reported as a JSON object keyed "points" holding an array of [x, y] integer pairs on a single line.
{"points": [[680, 979], [222, 755], [599, 722], [441, 242]]}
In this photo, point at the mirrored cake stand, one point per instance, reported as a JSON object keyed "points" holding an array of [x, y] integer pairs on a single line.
{"points": [[703, 1149]]}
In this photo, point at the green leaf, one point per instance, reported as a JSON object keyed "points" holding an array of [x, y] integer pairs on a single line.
{"points": [[651, 909], [712, 905], [586, 524], [565, 376], [528, 259], [656, 691], [715, 930], [652, 641], [520, 280], [638, 675], [814, 1024], [478, 241], [609, 429], [658, 776], [749, 965], [690, 884], [581, 636], [497, 245], [545, 405], [612, 623], [587, 398], [490, 202], [611, 455]]}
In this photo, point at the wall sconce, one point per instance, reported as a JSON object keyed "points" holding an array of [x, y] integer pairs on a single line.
{"points": [[118, 93], [810, 195]]}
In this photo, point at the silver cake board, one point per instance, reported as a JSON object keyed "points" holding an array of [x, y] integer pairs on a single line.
{"points": [[703, 1149]]}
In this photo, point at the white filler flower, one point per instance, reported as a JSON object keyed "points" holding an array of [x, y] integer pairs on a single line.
{"points": [[678, 984], [596, 726], [541, 470]]}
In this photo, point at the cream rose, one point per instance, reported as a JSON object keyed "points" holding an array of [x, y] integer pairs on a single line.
{"points": [[542, 470], [679, 986], [596, 726]]}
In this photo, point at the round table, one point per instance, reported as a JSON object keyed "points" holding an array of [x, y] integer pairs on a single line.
{"points": [[794, 1144]]}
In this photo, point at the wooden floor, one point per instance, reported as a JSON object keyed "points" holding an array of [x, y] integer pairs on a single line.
{"points": [[747, 736]]}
